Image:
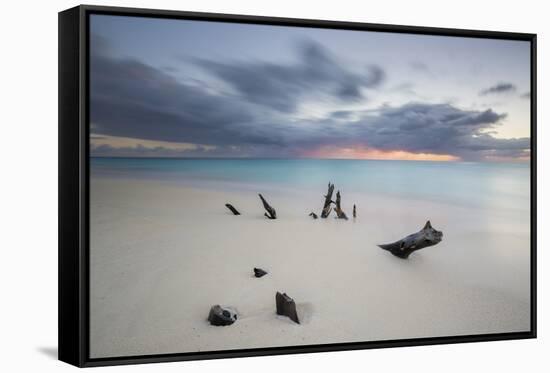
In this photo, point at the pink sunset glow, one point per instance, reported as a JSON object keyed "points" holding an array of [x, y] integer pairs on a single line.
{"points": [[369, 153]]}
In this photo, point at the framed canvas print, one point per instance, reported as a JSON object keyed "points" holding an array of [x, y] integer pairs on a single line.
{"points": [[238, 186]]}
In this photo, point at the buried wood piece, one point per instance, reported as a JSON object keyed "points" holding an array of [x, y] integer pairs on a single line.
{"points": [[313, 215], [426, 237], [339, 212], [286, 307], [258, 272], [270, 210], [328, 200], [354, 212], [220, 316], [233, 209]]}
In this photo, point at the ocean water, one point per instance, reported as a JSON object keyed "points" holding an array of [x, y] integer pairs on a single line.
{"points": [[503, 185]]}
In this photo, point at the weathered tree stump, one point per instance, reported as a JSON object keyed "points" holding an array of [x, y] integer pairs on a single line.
{"points": [[286, 307], [313, 215], [338, 209], [426, 237], [270, 214], [354, 212], [233, 209], [220, 316], [328, 200], [258, 272]]}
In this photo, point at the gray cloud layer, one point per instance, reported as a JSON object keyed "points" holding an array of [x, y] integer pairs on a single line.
{"points": [[132, 99]]}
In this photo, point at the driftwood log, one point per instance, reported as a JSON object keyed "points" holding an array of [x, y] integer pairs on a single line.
{"points": [[354, 212], [233, 209], [286, 307], [338, 209], [270, 214], [258, 272], [220, 316], [426, 237], [328, 200], [313, 215]]}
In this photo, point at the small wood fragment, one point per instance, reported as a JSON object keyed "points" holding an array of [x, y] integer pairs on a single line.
{"points": [[258, 272], [313, 215], [270, 214], [233, 209], [286, 307]]}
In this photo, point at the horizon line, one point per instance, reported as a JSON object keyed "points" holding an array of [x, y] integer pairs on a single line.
{"points": [[310, 158]]}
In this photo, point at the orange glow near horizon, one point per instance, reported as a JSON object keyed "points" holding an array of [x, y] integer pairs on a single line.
{"points": [[366, 153]]}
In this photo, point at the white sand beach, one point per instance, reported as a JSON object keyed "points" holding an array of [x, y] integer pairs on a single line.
{"points": [[163, 253]]}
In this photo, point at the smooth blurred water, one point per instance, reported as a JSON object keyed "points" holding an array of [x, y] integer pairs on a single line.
{"points": [[505, 185]]}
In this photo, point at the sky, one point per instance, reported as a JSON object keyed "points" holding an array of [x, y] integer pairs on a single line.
{"points": [[178, 88]]}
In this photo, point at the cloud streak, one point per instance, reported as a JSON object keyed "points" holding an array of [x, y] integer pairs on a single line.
{"points": [[498, 89]]}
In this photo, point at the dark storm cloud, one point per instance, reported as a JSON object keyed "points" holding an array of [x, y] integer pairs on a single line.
{"points": [[435, 128], [282, 87], [132, 99], [498, 88], [416, 128]]}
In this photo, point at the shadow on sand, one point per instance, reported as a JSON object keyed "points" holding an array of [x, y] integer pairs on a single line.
{"points": [[50, 352]]}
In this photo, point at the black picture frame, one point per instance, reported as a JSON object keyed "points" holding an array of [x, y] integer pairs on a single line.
{"points": [[73, 250]]}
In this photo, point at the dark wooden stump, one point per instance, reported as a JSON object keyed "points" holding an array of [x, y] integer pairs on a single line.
{"points": [[286, 307], [426, 237], [354, 212], [233, 209], [270, 214], [328, 200], [338, 209], [220, 316]]}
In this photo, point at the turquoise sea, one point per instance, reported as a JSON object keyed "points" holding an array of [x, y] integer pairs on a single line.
{"points": [[467, 183]]}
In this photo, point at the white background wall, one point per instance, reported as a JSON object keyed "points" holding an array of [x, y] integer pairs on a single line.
{"points": [[28, 194]]}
